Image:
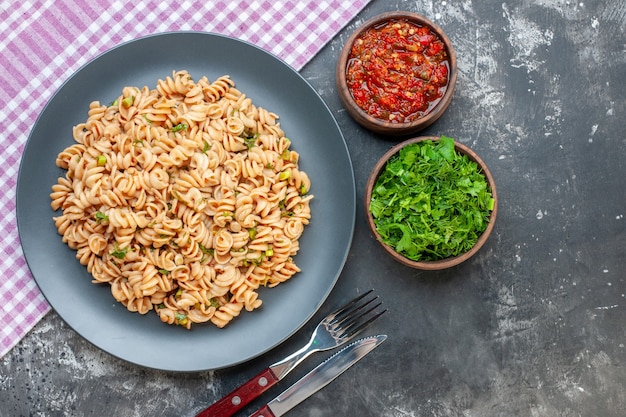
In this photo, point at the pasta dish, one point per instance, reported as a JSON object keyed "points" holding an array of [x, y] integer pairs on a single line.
{"points": [[184, 199]]}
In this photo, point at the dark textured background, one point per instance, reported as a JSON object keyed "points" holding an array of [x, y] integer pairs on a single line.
{"points": [[534, 325]]}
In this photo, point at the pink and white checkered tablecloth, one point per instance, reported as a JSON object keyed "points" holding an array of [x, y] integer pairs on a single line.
{"points": [[43, 42]]}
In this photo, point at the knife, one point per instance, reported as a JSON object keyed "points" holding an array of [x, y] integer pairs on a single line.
{"points": [[319, 377]]}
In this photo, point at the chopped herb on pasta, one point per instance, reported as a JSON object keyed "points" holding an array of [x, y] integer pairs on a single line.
{"points": [[185, 199]]}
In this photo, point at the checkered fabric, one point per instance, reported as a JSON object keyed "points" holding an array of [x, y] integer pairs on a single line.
{"points": [[43, 42]]}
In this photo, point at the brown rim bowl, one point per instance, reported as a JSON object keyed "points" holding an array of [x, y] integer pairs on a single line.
{"points": [[443, 263], [379, 125]]}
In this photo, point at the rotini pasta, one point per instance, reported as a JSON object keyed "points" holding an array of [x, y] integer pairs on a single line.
{"points": [[184, 199]]}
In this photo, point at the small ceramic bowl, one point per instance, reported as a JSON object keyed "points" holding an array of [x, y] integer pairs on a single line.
{"points": [[443, 263], [427, 117]]}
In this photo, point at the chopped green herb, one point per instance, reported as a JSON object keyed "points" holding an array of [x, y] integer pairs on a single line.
{"points": [[284, 175], [128, 101], [138, 143], [114, 103], [179, 127], [206, 146], [101, 217], [206, 251], [181, 319], [250, 140], [430, 202], [118, 252], [269, 252], [101, 160], [164, 271], [214, 303], [252, 232]]}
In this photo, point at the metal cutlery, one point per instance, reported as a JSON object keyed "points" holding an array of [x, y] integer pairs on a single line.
{"points": [[334, 330], [319, 377]]}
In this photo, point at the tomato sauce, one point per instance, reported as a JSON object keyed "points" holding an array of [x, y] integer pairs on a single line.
{"points": [[398, 71]]}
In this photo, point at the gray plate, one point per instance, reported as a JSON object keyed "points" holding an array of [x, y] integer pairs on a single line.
{"points": [[90, 309]]}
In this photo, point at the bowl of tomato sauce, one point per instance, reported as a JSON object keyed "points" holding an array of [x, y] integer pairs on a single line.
{"points": [[396, 73]]}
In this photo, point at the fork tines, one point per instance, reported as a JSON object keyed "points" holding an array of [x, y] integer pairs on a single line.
{"points": [[353, 317]]}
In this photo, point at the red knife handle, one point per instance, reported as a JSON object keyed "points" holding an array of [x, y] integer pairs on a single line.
{"points": [[241, 396], [263, 412]]}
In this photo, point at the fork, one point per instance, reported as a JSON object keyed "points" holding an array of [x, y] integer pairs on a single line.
{"points": [[334, 330]]}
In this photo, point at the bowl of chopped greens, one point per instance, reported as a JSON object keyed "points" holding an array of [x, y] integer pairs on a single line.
{"points": [[431, 202]]}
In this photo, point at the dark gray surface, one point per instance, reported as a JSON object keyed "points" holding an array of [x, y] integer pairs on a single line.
{"points": [[534, 325]]}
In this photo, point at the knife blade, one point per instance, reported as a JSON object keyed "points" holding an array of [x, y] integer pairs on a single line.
{"points": [[319, 377]]}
